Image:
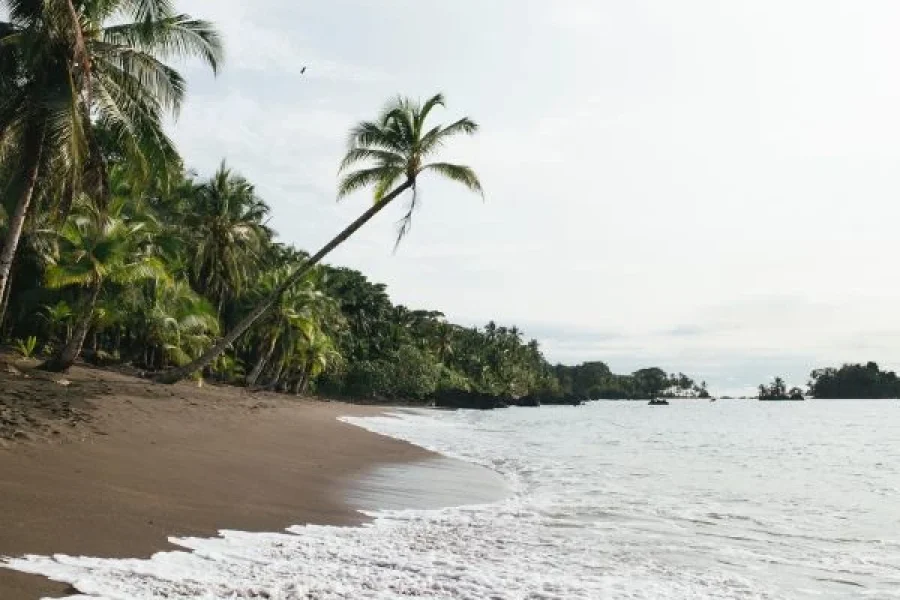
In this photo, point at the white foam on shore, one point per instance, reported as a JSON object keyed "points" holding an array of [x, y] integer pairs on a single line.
{"points": [[592, 517], [504, 553]]}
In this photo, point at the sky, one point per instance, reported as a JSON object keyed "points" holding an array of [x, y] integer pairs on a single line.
{"points": [[705, 186]]}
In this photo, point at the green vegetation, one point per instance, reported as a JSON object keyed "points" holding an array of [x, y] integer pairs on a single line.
{"points": [[777, 390], [594, 380], [115, 253], [854, 381], [26, 347], [73, 76], [851, 381]]}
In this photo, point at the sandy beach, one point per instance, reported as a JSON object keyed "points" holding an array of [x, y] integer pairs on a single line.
{"points": [[103, 464]]}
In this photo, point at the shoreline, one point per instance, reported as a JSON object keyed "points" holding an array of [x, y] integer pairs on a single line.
{"points": [[145, 462]]}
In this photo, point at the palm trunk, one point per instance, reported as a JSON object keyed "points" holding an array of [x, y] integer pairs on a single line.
{"points": [[73, 348], [4, 300], [210, 355], [304, 380], [262, 362], [17, 222], [276, 378]]}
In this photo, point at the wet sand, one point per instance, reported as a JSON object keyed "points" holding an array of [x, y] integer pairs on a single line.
{"points": [[422, 484], [148, 462]]}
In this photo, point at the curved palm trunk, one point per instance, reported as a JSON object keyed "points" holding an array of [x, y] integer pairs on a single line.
{"points": [[73, 347], [210, 355], [262, 362], [17, 223]]}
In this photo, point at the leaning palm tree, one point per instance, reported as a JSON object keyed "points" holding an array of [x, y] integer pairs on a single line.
{"points": [[394, 151], [69, 68]]}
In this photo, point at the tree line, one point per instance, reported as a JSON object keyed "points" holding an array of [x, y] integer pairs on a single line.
{"points": [[154, 278]]}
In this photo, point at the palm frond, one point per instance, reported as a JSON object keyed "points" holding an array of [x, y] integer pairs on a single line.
{"points": [[437, 136], [57, 276], [359, 179], [170, 36], [384, 157], [389, 178], [371, 135], [143, 10], [436, 100], [25, 10], [147, 73], [459, 173]]}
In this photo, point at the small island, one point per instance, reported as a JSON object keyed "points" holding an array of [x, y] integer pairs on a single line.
{"points": [[777, 391]]}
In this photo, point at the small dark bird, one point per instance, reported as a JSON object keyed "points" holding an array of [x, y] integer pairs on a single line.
{"points": [[303, 70]]}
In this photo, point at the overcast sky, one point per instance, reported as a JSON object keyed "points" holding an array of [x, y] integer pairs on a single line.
{"points": [[702, 185]]}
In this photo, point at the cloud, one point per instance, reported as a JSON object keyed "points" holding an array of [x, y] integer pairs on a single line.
{"points": [[257, 41]]}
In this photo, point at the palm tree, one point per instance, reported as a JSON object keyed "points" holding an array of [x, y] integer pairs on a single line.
{"points": [[295, 310], [444, 341], [317, 353], [178, 325], [59, 321], [71, 67], [97, 246], [397, 148], [225, 220]]}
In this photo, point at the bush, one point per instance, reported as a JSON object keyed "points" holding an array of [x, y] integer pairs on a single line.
{"points": [[448, 379], [366, 379], [26, 347], [414, 374]]}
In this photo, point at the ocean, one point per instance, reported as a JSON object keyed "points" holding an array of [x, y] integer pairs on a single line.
{"points": [[696, 500]]}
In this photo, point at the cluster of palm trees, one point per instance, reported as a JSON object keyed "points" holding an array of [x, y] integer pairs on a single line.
{"points": [[112, 251], [83, 82]]}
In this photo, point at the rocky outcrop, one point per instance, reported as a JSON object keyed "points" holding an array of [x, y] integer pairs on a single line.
{"points": [[472, 400]]}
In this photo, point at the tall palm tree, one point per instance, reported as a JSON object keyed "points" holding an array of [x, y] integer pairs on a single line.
{"points": [[97, 246], [396, 148], [69, 66], [226, 222]]}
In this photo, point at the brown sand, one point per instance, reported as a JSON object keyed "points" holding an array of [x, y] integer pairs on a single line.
{"points": [[111, 465]]}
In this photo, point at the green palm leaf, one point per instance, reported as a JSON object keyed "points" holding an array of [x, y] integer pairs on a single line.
{"points": [[459, 173]]}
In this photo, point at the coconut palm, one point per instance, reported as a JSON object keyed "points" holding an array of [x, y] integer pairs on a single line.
{"points": [[98, 246], [397, 149], [293, 311], [69, 66], [59, 318], [178, 326], [225, 219], [301, 314], [317, 353]]}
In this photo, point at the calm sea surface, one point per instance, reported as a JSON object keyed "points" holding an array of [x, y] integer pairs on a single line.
{"points": [[733, 499]]}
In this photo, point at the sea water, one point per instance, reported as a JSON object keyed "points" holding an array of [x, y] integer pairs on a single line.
{"points": [[734, 499]]}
